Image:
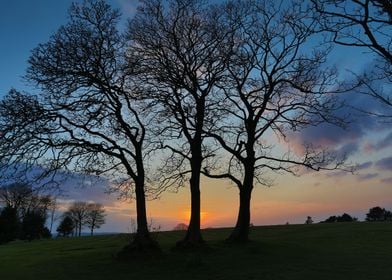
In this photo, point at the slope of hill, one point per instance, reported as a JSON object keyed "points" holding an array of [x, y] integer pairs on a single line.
{"points": [[322, 251]]}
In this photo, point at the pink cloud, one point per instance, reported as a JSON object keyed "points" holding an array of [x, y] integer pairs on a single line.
{"points": [[387, 180]]}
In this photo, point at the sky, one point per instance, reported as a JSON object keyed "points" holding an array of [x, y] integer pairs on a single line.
{"points": [[25, 23]]}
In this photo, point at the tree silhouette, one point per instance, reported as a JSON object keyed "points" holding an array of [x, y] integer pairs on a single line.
{"points": [[66, 226], [273, 86], [33, 226], [377, 214], [25, 200], [344, 218], [95, 216], [87, 117], [9, 224], [78, 213], [17, 195], [309, 220], [365, 24], [180, 226], [180, 47]]}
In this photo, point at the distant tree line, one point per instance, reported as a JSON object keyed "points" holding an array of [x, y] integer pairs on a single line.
{"points": [[375, 214], [337, 219], [24, 213]]}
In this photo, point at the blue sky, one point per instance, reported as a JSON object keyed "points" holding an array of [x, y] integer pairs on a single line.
{"points": [[26, 23], [23, 25]]}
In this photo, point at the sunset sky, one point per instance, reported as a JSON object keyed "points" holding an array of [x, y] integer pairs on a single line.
{"points": [[368, 142]]}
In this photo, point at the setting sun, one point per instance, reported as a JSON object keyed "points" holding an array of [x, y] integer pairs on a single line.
{"points": [[185, 216]]}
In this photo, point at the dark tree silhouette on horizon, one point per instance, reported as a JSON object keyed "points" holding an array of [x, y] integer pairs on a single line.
{"points": [[78, 213], [25, 199], [30, 208], [86, 117], [9, 224], [95, 216], [337, 219], [33, 226], [66, 226], [378, 214]]}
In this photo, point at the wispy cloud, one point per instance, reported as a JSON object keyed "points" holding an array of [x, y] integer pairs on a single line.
{"points": [[384, 143], [347, 141], [387, 180], [364, 165], [367, 176], [384, 164]]}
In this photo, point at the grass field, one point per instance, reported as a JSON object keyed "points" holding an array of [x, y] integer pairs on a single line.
{"points": [[320, 251]]}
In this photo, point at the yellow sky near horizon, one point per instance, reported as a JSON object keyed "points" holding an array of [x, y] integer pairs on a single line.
{"points": [[290, 200]]}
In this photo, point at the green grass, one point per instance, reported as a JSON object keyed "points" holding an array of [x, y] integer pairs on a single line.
{"points": [[322, 251]]}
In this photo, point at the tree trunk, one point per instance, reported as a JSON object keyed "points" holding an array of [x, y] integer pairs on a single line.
{"points": [[80, 228], [92, 231], [240, 232], [193, 237], [141, 212], [142, 241]]}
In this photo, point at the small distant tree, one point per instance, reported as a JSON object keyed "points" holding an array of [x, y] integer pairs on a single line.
{"points": [[78, 213], [377, 214], [180, 226], [95, 216], [309, 220], [346, 218], [9, 224], [66, 227], [33, 226]]}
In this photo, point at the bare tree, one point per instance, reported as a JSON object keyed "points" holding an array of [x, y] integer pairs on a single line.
{"points": [[180, 49], [358, 23], [366, 24], [25, 199], [95, 216], [87, 117], [78, 212], [273, 86], [16, 195]]}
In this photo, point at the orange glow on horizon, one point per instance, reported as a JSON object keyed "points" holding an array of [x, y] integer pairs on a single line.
{"points": [[186, 215]]}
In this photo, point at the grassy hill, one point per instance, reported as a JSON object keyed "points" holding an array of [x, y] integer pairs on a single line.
{"points": [[321, 251]]}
